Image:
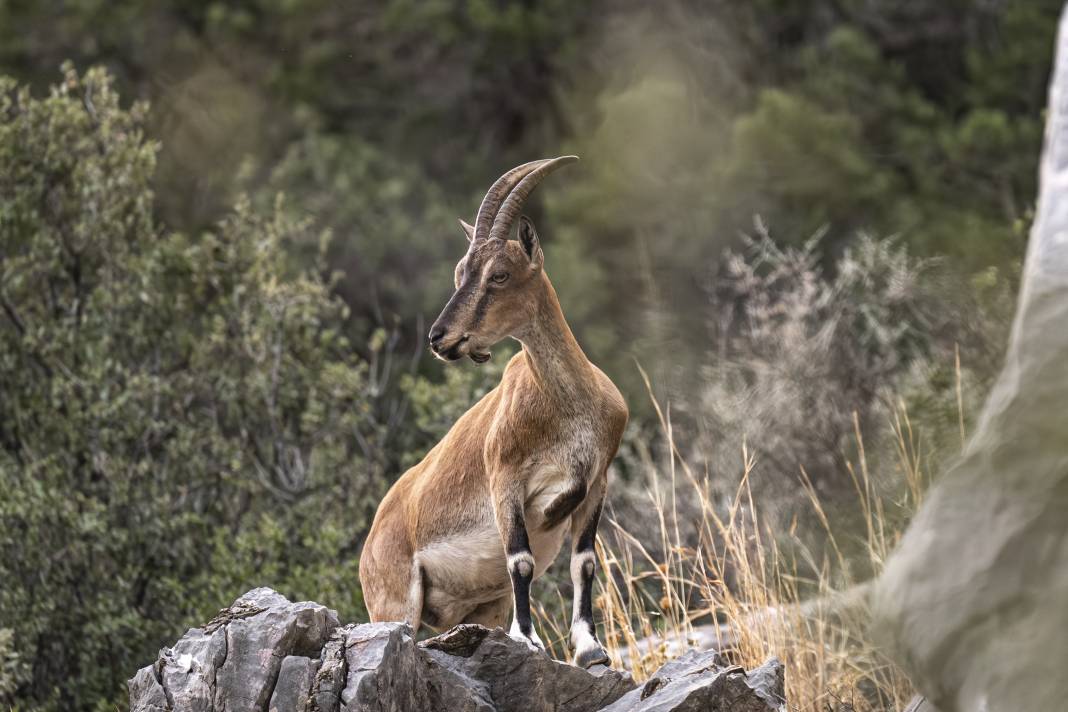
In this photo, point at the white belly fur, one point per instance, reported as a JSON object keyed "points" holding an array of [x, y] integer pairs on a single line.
{"points": [[472, 566]]}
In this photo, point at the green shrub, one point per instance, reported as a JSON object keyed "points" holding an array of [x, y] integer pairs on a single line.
{"points": [[178, 415]]}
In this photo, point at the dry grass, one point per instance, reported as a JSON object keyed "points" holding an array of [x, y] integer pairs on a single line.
{"points": [[750, 591]]}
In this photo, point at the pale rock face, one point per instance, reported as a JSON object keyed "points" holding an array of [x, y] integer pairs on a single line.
{"points": [[974, 604], [236, 661]]}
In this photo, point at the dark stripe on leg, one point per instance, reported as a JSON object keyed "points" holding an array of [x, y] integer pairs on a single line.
{"points": [[588, 650], [586, 594], [521, 574], [518, 541], [520, 569], [588, 537], [585, 544], [562, 507]]}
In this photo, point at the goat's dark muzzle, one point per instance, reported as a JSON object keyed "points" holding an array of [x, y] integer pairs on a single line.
{"points": [[445, 348]]}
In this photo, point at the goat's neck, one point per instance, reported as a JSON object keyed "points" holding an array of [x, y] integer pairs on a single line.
{"points": [[558, 363]]}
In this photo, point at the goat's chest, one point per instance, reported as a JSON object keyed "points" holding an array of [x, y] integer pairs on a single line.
{"points": [[557, 480], [570, 457]]}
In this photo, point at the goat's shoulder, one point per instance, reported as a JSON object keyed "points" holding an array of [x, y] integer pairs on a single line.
{"points": [[613, 405]]}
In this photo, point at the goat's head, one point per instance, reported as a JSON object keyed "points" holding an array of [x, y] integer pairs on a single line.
{"points": [[497, 280]]}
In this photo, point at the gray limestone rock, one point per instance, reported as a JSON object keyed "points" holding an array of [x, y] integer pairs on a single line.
{"points": [[146, 692], [257, 642], [516, 678], [325, 695], [293, 688], [972, 604], [698, 681], [388, 671], [233, 662], [265, 653]]}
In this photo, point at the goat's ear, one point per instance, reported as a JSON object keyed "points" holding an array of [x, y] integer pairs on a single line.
{"points": [[528, 238], [468, 229]]}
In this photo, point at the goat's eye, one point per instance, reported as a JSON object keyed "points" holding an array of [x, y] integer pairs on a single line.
{"points": [[499, 278]]}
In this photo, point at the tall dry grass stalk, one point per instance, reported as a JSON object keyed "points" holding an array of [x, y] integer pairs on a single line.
{"points": [[752, 592]]}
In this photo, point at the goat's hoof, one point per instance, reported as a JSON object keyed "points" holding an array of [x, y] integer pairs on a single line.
{"points": [[591, 656], [533, 642]]}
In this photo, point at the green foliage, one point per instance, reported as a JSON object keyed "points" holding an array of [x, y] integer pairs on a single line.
{"points": [[178, 416], [386, 120], [785, 332], [12, 669], [396, 241], [444, 86], [435, 406], [922, 122], [802, 357], [182, 415]]}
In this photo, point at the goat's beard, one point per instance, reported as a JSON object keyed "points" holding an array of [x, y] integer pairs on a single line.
{"points": [[480, 357]]}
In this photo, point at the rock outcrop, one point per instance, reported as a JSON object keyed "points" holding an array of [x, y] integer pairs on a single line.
{"points": [[973, 602], [265, 653], [695, 682], [239, 660]]}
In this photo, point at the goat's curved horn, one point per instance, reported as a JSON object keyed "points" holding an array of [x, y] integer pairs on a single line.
{"points": [[512, 206], [496, 195]]}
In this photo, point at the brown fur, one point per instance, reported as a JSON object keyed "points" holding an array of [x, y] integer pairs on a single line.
{"points": [[536, 448]]}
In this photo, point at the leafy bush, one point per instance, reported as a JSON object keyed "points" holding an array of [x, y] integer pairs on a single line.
{"points": [[179, 414], [802, 363], [12, 669], [396, 241], [804, 359]]}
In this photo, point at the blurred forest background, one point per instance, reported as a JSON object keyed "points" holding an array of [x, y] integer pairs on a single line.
{"points": [[226, 227]]}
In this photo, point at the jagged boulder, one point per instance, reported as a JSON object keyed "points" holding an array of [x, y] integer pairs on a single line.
{"points": [[237, 659], [384, 670], [265, 653], [698, 681], [514, 678]]}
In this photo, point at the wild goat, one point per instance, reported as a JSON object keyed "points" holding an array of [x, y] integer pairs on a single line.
{"points": [[487, 509]]}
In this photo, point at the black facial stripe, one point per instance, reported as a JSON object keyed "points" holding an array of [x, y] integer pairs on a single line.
{"points": [[457, 298], [480, 308]]}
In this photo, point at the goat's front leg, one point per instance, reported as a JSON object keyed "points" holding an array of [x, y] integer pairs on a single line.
{"points": [[513, 531], [588, 650]]}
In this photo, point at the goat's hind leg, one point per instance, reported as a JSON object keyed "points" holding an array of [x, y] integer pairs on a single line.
{"points": [[413, 608]]}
